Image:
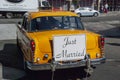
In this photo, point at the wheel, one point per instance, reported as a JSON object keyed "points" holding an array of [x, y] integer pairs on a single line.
{"points": [[9, 15], [26, 69], [95, 14], [24, 64], [79, 14], [17, 42]]}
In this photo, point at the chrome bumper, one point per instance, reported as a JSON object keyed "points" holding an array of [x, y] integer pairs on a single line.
{"points": [[48, 66]]}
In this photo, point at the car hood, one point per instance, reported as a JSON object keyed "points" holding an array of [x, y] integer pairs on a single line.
{"points": [[44, 39]]}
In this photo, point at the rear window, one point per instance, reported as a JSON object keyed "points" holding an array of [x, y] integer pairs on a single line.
{"points": [[53, 22]]}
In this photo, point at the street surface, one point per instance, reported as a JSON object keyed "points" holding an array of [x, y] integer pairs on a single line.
{"points": [[11, 59]]}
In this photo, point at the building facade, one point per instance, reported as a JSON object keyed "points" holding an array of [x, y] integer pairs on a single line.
{"points": [[113, 5]]}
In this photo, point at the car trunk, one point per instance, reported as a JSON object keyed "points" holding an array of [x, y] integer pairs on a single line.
{"points": [[45, 44], [45, 38]]}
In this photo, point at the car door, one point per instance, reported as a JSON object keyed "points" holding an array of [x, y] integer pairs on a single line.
{"points": [[82, 11], [86, 11], [90, 12], [25, 38]]}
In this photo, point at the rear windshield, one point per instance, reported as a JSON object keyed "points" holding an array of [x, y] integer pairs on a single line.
{"points": [[61, 22]]}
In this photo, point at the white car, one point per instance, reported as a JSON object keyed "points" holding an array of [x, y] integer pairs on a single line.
{"points": [[86, 11]]}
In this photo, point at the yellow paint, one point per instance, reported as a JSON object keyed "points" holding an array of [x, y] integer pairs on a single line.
{"points": [[51, 13], [43, 40]]}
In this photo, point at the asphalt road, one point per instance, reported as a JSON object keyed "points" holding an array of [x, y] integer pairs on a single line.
{"points": [[13, 70], [12, 61], [111, 69]]}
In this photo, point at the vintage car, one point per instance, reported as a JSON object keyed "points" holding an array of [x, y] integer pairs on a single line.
{"points": [[52, 40]]}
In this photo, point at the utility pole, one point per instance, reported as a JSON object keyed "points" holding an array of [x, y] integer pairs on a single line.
{"points": [[69, 4], [93, 4], [99, 1], [78, 5]]}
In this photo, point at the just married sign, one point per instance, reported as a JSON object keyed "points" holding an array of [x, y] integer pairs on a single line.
{"points": [[69, 47]]}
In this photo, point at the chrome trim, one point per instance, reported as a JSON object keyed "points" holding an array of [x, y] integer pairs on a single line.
{"points": [[47, 66]]}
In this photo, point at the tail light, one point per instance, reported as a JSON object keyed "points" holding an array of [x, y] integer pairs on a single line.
{"points": [[32, 45], [102, 41]]}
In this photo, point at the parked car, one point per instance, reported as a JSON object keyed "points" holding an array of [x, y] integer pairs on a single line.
{"points": [[86, 11], [58, 40], [15, 8]]}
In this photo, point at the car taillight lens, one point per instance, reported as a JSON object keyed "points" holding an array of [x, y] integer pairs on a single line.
{"points": [[102, 41], [32, 45]]}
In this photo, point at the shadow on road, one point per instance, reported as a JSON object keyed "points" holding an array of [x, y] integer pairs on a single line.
{"points": [[112, 33], [64, 74], [13, 68], [11, 61], [114, 44], [9, 56]]}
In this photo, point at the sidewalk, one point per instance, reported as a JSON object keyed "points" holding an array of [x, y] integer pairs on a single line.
{"points": [[110, 13], [7, 31], [1, 71]]}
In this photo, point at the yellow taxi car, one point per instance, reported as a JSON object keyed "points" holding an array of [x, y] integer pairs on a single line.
{"points": [[58, 40]]}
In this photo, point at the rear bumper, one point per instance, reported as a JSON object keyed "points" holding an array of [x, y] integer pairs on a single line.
{"points": [[63, 66]]}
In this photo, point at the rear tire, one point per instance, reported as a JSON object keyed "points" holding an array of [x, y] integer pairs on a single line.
{"points": [[24, 66], [17, 42], [26, 69], [79, 14], [9, 15], [95, 14]]}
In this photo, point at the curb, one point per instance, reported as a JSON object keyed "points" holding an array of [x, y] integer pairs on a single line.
{"points": [[1, 72], [111, 13]]}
